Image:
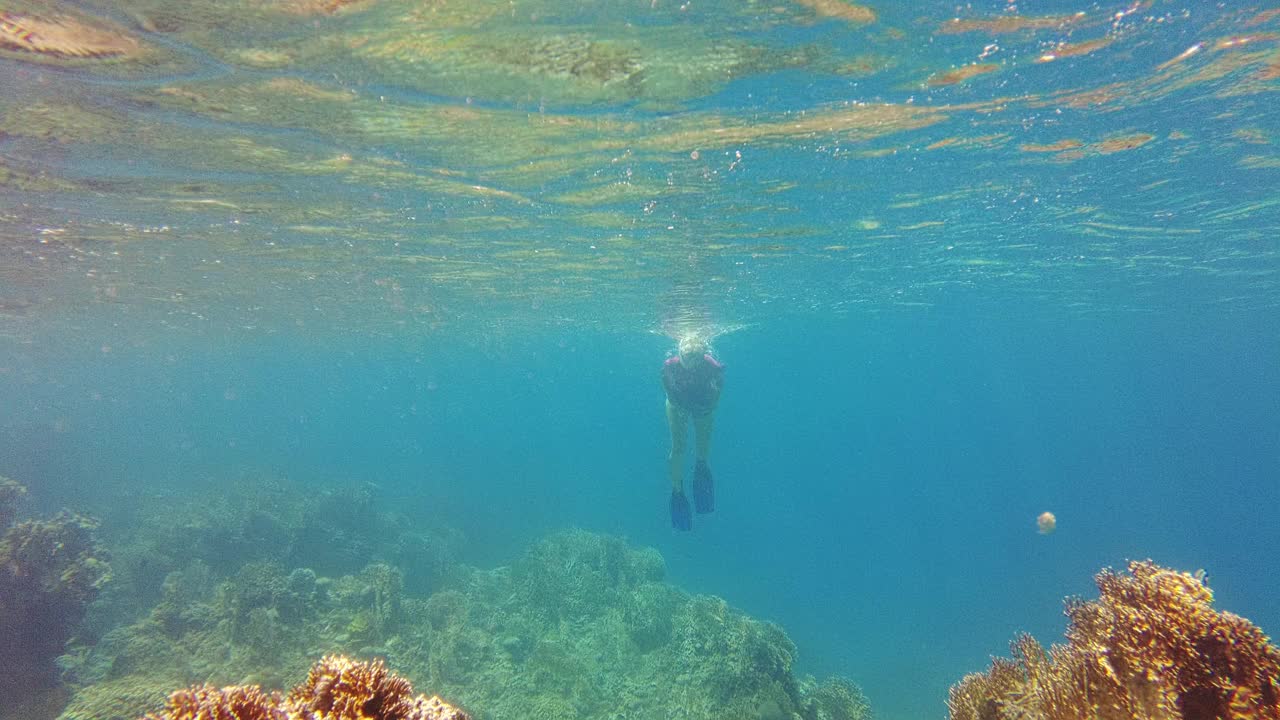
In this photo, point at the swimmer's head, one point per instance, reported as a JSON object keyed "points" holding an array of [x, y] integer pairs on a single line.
{"points": [[692, 349]]}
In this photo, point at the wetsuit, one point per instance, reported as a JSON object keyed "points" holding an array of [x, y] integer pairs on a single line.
{"points": [[696, 390]]}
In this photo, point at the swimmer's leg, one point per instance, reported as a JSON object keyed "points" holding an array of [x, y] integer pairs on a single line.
{"points": [[681, 518], [704, 492], [702, 426], [678, 423]]}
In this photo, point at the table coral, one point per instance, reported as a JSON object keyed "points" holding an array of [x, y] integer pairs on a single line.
{"points": [[337, 688], [1151, 646]]}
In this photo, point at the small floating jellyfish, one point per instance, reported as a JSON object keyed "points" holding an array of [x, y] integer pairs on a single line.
{"points": [[1046, 523]]}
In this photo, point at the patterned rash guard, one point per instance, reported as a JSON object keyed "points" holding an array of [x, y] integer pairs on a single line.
{"points": [[694, 389]]}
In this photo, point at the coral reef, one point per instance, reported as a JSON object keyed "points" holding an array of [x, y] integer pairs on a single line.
{"points": [[1151, 647], [10, 494], [123, 699], [835, 699], [585, 626], [328, 532], [228, 703], [50, 570], [337, 688], [582, 625]]}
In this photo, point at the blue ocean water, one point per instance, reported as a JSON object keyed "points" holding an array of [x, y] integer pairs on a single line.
{"points": [[878, 480], [1054, 289]]}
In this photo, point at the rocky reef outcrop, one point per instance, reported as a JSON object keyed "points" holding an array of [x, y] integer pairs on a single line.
{"points": [[50, 570]]}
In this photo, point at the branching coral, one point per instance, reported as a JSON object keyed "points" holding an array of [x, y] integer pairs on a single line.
{"points": [[50, 570], [229, 703], [1150, 648], [337, 688]]}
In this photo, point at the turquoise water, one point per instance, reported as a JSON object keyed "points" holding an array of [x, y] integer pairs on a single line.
{"points": [[968, 268]]}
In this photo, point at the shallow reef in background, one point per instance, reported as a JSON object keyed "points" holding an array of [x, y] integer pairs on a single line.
{"points": [[252, 586]]}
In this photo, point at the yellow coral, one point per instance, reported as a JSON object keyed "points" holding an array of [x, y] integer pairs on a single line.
{"points": [[1150, 647], [337, 688], [230, 703]]}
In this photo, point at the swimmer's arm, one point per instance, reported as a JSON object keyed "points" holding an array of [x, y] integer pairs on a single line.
{"points": [[717, 384]]}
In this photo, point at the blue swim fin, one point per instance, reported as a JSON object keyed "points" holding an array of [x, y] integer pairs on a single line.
{"points": [[681, 519], [704, 490]]}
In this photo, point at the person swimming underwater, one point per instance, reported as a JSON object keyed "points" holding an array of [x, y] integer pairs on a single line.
{"points": [[692, 379]]}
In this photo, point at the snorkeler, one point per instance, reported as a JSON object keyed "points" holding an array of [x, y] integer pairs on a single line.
{"points": [[692, 379]]}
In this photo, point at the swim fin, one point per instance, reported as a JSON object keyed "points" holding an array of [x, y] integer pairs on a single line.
{"points": [[704, 490], [680, 517]]}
